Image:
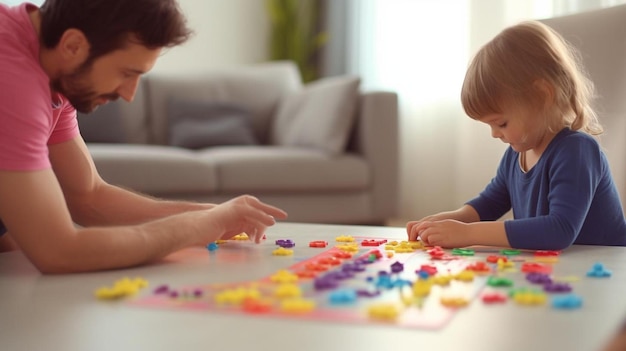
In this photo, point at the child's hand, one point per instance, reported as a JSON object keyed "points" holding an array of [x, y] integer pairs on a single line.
{"points": [[445, 233], [413, 227]]}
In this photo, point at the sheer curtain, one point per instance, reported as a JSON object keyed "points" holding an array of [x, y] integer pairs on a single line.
{"points": [[420, 49]]}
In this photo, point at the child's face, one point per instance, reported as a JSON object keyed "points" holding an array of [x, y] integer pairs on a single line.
{"points": [[523, 131]]}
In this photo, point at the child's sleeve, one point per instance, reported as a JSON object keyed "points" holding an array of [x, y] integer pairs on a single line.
{"points": [[573, 178]]}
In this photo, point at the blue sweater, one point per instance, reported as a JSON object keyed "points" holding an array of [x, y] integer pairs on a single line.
{"points": [[568, 197]]}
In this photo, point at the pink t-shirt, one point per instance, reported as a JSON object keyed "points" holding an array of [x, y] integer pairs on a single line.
{"points": [[31, 116]]}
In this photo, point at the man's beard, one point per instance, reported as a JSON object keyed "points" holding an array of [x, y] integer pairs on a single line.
{"points": [[76, 88]]}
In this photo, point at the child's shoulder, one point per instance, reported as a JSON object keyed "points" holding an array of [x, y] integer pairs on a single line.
{"points": [[570, 140], [572, 137]]}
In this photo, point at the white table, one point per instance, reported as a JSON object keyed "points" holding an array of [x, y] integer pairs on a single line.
{"points": [[39, 312]]}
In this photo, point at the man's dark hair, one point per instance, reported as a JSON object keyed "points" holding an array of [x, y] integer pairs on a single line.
{"points": [[110, 24]]}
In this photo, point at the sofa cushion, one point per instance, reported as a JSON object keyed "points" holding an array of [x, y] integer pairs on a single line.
{"points": [[320, 116], [104, 125], [117, 121], [256, 87], [153, 169], [281, 169], [197, 125]]}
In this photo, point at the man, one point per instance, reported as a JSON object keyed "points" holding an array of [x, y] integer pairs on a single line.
{"points": [[73, 55]]}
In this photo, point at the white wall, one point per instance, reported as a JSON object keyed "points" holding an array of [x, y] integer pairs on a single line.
{"points": [[227, 32], [420, 49]]}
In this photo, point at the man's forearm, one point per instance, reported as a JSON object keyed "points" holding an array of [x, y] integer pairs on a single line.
{"points": [[99, 248], [111, 205]]}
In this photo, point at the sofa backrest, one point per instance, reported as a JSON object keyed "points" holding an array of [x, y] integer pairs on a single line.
{"points": [[257, 88], [118, 121], [600, 37]]}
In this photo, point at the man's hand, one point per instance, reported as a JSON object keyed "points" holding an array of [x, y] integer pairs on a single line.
{"points": [[244, 214]]}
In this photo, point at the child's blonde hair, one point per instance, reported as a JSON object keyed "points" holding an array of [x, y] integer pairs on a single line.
{"points": [[515, 67]]}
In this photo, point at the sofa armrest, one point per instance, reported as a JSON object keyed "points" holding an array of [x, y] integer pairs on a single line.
{"points": [[376, 138]]}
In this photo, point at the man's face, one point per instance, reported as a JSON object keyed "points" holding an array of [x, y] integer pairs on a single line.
{"points": [[106, 78]]}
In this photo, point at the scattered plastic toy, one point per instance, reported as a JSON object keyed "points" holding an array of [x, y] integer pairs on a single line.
{"points": [[162, 289], [505, 265], [567, 302], [281, 251], [344, 239], [121, 288], [403, 247], [367, 293], [348, 248], [284, 276], [436, 252], [397, 267], [318, 243], [441, 279], [373, 242], [479, 267], [343, 297], [422, 288], [465, 276], [557, 287], [383, 312], [344, 255], [257, 306], [316, 267], [463, 252], [287, 291], [510, 252], [599, 271], [236, 296], [368, 262], [495, 258], [430, 269], [499, 282], [417, 244], [286, 243], [329, 260], [454, 301], [538, 278], [533, 267], [297, 305], [529, 297], [493, 298], [241, 236]]}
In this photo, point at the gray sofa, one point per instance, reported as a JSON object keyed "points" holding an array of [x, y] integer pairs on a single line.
{"points": [[335, 162]]}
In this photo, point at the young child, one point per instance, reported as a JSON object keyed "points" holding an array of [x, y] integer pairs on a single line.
{"points": [[528, 86]]}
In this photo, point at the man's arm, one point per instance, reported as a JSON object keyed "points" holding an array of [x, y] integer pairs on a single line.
{"points": [[34, 210], [92, 201]]}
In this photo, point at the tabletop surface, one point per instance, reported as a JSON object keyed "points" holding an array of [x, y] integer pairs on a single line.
{"points": [[60, 312]]}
